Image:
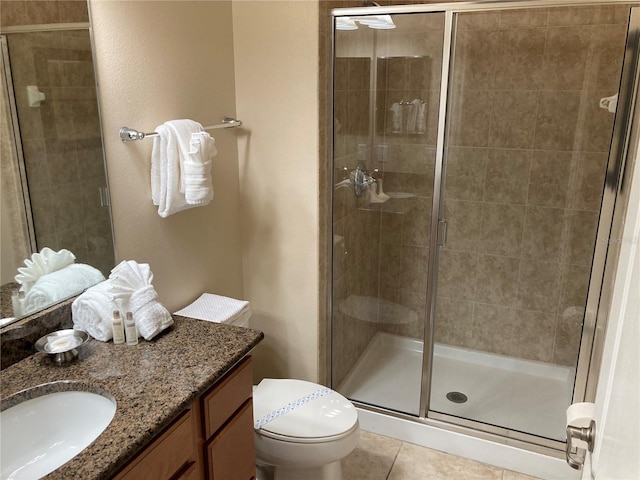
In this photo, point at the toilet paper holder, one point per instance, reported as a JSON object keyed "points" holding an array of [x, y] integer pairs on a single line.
{"points": [[586, 435]]}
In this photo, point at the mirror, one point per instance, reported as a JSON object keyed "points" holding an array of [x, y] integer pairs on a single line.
{"points": [[54, 184]]}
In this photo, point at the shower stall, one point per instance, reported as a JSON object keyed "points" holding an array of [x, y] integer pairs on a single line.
{"points": [[477, 151]]}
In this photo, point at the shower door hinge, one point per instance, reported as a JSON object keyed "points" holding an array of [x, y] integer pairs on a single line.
{"points": [[441, 237]]}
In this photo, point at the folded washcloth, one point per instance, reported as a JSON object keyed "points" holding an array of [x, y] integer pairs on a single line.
{"points": [[170, 151], [215, 308], [60, 284], [93, 311], [131, 285]]}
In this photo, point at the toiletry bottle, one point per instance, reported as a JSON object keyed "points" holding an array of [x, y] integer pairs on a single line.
{"points": [[130, 330], [118, 328]]}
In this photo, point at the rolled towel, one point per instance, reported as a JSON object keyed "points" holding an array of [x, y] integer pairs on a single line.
{"points": [[93, 311], [60, 284]]}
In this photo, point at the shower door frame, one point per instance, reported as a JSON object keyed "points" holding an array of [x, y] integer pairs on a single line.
{"points": [[609, 226]]}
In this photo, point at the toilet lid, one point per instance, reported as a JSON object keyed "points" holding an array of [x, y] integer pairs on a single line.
{"points": [[304, 410]]}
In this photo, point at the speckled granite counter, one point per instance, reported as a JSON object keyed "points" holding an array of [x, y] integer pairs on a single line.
{"points": [[152, 384]]}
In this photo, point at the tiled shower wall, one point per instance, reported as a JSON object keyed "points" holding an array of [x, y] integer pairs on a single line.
{"points": [[61, 139], [526, 160]]}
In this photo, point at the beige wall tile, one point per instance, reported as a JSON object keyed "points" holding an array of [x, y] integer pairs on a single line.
{"points": [[417, 222], [549, 179], [575, 283], [544, 234], [476, 51], [567, 337], [507, 176], [538, 286], [588, 15], [493, 328], [582, 236], [497, 280], [556, 121], [413, 268], [13, 13], [565, 58], [534, 17], [464, 225], [519, 62], [513, 121], [456, 276], [453, 322], [533, 335], [42, 11], [589, 187], [470, 118], [465, 173], [502, 227]]}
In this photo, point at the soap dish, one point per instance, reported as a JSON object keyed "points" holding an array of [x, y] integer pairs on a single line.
{"points": [[62, 345]]}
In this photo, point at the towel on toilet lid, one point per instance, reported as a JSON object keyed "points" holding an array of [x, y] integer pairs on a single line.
{"points": [[218, 309]]}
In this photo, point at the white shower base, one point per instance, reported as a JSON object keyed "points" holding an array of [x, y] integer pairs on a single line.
{"points": [[516, 394], [522, 395]]}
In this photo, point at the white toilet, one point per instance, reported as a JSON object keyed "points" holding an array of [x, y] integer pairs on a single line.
{"points": [[302, 429]]}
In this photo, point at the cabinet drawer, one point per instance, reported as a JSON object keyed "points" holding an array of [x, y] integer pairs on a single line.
{"points": [[231, 454], [224, 399], [171, 454]]}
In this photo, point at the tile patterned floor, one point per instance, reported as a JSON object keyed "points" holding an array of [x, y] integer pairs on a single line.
{"points": [[382, 458]]}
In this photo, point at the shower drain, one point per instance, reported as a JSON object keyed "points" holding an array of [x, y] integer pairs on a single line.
{"points": [[457, 397]]}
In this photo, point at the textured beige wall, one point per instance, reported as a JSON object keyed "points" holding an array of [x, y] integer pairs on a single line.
{"points": [[158, 61], [276, 55]]}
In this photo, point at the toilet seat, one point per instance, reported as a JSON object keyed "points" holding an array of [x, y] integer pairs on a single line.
{"points": [[312, 413]]}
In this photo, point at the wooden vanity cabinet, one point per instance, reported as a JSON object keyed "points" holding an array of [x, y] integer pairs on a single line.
{"points": [[212, 440]]}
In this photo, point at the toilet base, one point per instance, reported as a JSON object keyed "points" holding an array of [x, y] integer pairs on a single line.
{"points": [[331, 471]]}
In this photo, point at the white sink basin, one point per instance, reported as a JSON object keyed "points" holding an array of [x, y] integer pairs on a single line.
{"points": [[41, 434]]}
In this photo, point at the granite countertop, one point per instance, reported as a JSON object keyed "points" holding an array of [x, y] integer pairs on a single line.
{"points": [[152, 383]]}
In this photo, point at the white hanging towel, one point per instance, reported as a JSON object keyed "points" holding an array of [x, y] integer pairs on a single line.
{"points": [[172, 149], [196, 178]]}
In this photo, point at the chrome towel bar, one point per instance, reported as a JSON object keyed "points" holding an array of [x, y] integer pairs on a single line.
{"points": [[129, 134]]}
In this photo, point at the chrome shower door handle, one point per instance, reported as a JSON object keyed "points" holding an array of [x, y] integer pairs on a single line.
{"points": [[587, 435]]}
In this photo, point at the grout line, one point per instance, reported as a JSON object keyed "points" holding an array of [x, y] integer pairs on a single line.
{"points": [[394, 461]]}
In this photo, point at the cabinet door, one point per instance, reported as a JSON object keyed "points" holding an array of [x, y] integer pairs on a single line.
{"points": [[222, 401], [172, 455], [231, 453]]}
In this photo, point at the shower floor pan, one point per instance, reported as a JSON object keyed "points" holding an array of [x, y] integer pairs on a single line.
{"points": [[523, 395]]}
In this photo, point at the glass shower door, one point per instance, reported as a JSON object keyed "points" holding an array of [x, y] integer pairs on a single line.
{"points": [[526, 158], [387, 77]]}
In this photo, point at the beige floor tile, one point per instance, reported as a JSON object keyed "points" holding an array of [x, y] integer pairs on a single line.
{"points": [[372, 459], [509, 475], [414, 462]]}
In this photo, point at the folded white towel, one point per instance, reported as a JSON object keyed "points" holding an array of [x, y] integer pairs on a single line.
{"points": [[41, 263], [60, 284], [196, 170], [93, 311], [131, 285], [170, 151], [215, 308]]}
